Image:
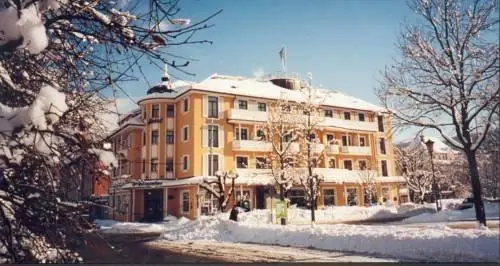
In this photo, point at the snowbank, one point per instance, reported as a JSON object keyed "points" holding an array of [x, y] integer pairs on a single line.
{"points": [[492, 210], [115, 227], [422, 243]]}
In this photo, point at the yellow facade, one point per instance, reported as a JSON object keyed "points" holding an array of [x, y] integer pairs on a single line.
{"points": [[190, 115]]}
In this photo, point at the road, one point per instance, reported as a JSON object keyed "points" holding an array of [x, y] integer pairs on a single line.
{"points": [[147, 248]]}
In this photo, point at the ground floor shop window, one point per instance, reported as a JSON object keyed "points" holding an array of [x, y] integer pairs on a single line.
{"points": [[373, 197], [386, 194], [352, 197], [297, 197], [329, 197]]}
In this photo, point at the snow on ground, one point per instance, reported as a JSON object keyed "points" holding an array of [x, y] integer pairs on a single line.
{"points": [[115, 227], [422, 243], [492, 210]]}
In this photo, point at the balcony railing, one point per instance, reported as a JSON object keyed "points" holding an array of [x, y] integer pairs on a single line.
{"points": [[347, 124], [332, 148], [252, 145], [356, 149], [316, 147], [247, 115]]}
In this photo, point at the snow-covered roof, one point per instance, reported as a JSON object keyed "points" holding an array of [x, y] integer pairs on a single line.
{"points": [[251, 87]]}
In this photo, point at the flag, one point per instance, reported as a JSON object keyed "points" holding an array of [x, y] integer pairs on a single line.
{"points": [[283, 58]]}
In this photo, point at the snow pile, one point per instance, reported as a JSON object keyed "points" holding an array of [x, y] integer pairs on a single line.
{"points": [[427, 243], [492, 210], [115, 227]]}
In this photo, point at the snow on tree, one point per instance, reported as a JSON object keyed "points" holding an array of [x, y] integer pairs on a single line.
{"points": [[414, 164], [283, 130], [216, 185], [309, 117], [57, 61], [448, 77], [368, 178]]}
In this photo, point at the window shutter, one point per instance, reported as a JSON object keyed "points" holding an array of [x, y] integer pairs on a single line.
{"points": [[205, 106], [205, 136], [221, 162], [221, 136], [220, 105], [204, 159]]}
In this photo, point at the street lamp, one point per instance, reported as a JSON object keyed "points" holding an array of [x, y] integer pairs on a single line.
{"points": [[435, 188]]}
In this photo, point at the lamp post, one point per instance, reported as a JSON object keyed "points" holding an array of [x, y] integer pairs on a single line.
{"points": [[435, 188]]}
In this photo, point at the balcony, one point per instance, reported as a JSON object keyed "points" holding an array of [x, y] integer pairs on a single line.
{"points": [[348, 124], [333, 149], [247, 115], [356, 150], [252, 145], [315, 148]]}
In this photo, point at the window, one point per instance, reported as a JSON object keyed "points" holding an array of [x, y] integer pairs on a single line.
{"points": [[384, 168], [289, 161], [213, 136], [329, 197], [144, 166], [143, 138], [286, 108], [154, 137], [185, 133], [242, 104], [328, 113], [362, 141], [314, 162], [241, 162], [297, 197], [332, 164], [169, 165], [330, 138], [382, 146], [386, 194], [185, 163], [154, 165], [155, 111], [261, 135], [213, 164], [312, 137], [185, 201], [260, 163], [170, 110], [262, 107], [213, 106], [347, 116], [361, 117], [170, 137], [352, 197], [287, 137], [348, 164], [362, 165], [186, 105], [346, 140], [380, 120], [241, 134]]}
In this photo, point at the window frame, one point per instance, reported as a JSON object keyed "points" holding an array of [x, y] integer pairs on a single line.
{"points": [[170, 138], [380, 123], [364, 141], [170, 110], [213, 107], [363, 116], [155, 137], [185, 163], [155, 111], [384, 168], [260, 105], [328, 113], [240, 102], [344, 164], [185, 202], [169, 162], [237, 134], [215, 141], [347, 115], [154, 165], [185, 133], [261, 165], [237, 161], [185, 107], [325, 196], [212, 163]]}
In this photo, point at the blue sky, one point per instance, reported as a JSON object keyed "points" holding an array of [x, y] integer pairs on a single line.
{"points": [[344, 44]]}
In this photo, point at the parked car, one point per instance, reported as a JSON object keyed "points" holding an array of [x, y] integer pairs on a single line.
{"points": [[466, 204]]}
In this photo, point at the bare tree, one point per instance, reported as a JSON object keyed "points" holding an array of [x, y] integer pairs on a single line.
{"points": [[283, 131], [448, 78], [368, 178], [58, 59], [414, 165], [220, 192]]}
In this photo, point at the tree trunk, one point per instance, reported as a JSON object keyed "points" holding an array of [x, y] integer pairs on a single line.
{"points": [[313, 218], [422, 196], [476, 187], [282, 198]]}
